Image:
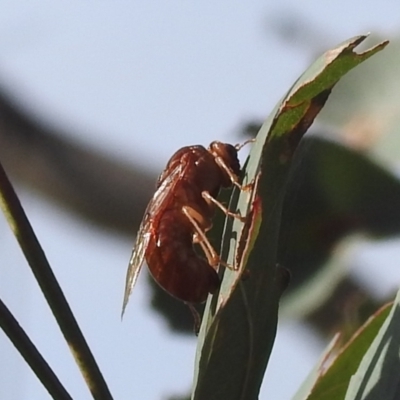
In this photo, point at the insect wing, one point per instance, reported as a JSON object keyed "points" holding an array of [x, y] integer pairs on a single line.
{"points": [[178, 159], [157, 204]]}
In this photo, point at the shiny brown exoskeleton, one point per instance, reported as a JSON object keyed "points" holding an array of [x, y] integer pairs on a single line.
{"points": [[178, 216]]}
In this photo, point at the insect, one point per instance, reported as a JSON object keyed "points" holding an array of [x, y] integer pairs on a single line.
{"points": [[179, 215]]}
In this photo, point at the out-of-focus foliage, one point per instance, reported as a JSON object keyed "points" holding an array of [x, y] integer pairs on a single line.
{"points": [[365, 107], [333, 192]]}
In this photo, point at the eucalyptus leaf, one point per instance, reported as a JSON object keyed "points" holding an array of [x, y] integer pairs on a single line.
{"points": [[239, 323], [378, 376], [331, 383], [315, 374]]}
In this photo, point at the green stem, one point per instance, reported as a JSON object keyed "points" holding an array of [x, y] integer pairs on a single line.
{"points": [[41, 269], [31, 355]]}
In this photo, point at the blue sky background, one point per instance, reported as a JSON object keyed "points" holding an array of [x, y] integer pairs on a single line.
{"points": [[140, 79]]}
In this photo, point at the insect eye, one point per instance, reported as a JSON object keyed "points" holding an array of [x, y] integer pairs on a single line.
{"points": [[215, 147], [223, 150]]}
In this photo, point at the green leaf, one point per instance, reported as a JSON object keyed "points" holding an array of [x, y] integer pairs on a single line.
{"points": [[239, 323], [378, 376], [315, 374], [331, 384]]}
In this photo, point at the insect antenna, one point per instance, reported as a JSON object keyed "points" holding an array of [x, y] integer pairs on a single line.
{"points": [[239, 146]]}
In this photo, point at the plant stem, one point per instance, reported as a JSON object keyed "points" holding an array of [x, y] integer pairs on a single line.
{"points": [[31, 355], [44, 275]]}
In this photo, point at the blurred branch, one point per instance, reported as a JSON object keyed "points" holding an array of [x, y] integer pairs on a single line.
{"points": [[100, 188]]}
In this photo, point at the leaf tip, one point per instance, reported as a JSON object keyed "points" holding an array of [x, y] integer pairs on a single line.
{"points": [[369, 52]]}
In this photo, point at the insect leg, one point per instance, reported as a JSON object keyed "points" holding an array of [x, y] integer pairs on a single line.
{"points": [[212, 257], [239, 146], [207, 196], [232, 176], [201, 238]]}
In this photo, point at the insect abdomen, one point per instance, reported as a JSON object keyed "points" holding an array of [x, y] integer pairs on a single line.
{"points": [[174, 263]]}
